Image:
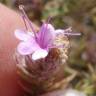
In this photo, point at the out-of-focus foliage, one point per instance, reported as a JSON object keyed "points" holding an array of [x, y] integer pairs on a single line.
{"points": [[3, 1], [81, 15]]}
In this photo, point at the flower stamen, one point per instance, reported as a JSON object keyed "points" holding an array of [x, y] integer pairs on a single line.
{"points": [[21, 7], [72, 34], [55, 46], [23, 17], [68, 32]]}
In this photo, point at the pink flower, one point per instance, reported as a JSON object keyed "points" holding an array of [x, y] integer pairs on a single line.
{"points": [[38, 44]]}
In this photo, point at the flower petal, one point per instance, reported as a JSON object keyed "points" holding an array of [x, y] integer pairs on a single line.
{"points": [[25, 48], [39, 54], [46, 35], [21, 35]]}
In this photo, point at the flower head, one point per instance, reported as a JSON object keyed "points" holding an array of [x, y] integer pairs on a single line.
{"points": [[39, 43], [37, 46]]}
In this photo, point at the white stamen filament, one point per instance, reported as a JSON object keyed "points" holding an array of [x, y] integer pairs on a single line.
{"points": [[54, 46], [69, 33]]}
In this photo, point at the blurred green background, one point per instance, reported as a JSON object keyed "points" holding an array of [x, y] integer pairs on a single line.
{"points": [[81, 15]]}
